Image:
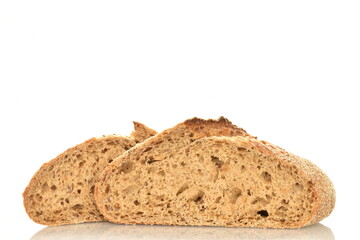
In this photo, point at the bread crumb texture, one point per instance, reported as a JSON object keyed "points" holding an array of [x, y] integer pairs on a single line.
{"points": [[62, 190], [212, 173]]}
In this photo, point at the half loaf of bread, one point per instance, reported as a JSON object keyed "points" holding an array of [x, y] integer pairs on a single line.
{"points": [[61, 191], [212, 173]]}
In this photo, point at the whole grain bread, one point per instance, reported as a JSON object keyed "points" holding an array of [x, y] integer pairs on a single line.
{"points": [[61, 191], [212, 173]]}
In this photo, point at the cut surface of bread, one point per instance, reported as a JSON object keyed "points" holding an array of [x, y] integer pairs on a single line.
{"points": [[211, 173], [61, 191]]}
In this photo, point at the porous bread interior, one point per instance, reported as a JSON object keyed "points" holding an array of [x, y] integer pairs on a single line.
{"points": [[180, 180], [61, 191]]}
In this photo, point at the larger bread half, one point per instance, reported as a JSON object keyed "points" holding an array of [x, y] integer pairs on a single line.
{"points": [[212, 173], [61, 191]]}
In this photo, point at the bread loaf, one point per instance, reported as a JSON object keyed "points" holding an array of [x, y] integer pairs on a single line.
{"points": [[212, 173], [61, 191]]}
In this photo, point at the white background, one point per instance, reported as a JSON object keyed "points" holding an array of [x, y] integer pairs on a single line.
{"points": [[286, 71]]}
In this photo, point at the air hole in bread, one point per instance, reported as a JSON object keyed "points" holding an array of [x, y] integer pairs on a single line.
{"points": [[249, 193], [104, 150], [53, 187], [241, 149], [38, 197], [282, 208], [110, 161], [112, 143], [198, 196], [77, 207], [136, 202], [79, 191], [263, 213], [218, 163], [81, 164], [182, 189], [147, 149], [266, 176], [56, 212], [151, 160], [107, 189]]}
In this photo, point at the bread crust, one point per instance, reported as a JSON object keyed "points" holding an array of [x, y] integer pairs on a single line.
{"points": [[324, 193]]}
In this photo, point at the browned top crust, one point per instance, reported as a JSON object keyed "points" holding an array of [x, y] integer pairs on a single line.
{"points": [[218, 127], [196, 120]]}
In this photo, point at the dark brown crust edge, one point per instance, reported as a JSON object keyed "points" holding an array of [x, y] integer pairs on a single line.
{"points": [[218, 123]]}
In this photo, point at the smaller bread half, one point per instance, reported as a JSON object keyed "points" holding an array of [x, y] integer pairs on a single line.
{"points": [[61, 191]]}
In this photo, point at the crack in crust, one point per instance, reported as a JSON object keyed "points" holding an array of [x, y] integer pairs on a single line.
{"points": [[221, 124]]}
